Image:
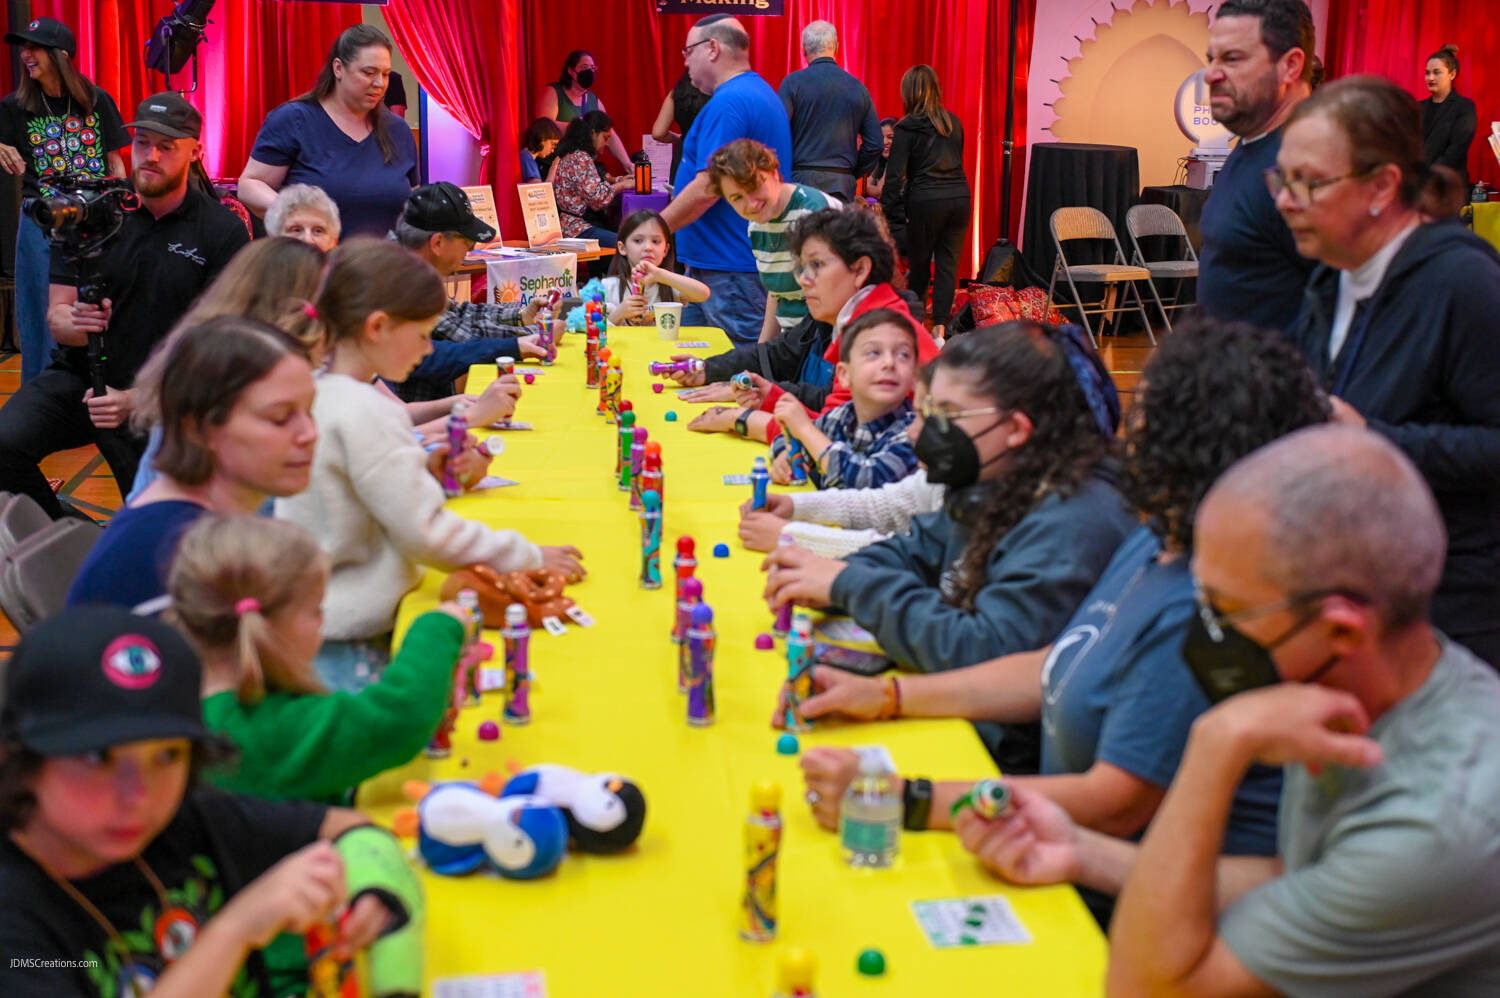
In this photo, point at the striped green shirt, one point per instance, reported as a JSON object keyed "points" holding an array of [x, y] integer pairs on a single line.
{"points": [[773, 257]]}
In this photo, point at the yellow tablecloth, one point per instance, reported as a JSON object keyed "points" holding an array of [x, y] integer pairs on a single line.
{"points": [[662, 919], [1487, 222]]}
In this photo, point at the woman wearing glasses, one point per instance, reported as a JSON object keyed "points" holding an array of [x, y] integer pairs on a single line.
{"points": [[1398, 323], [1113, 694], [1031, 518]]}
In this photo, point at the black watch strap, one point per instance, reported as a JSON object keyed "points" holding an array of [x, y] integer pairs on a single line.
{"points": [[742, 422], [916, 804]]}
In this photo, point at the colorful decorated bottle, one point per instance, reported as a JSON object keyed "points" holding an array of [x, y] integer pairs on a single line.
{"points": [[650, 541], [781, 626], [760, 482], [651, 476], [700, 678], [622, 452], [458, 432], [601, 361], [517, 635], [762, 850], [684, 565], [796, 456], [630, 478], [689, 595], [799, 667]]}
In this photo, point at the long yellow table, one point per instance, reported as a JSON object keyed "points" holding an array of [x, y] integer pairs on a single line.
{"points": [[661, 920]]}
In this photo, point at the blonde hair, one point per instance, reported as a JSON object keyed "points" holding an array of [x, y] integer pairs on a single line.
{"points": [[229, 575], [367, 275], [272, 281], [922, 97]]}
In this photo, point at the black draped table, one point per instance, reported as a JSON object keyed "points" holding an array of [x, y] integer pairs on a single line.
{"points": [[1071, 174]]}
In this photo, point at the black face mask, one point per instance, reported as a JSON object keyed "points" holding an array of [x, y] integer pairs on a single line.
{"points": [[1235, 662], [586, 78], [950, 455]]}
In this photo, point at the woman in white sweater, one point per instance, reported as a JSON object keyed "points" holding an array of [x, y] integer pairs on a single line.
{"points": [[372, 504]]}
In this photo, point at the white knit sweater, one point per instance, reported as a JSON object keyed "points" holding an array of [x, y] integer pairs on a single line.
{"points": [[379, 514], [860, 517]]}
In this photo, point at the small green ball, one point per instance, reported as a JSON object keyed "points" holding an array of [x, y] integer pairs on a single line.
{"points": [[871, 963]]}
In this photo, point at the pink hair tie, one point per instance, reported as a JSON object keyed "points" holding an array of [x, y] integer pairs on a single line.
{"points": [[247, 605], [310, 310]]}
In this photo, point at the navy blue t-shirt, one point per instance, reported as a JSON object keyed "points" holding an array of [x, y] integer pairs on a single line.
{"points": [[743, 107], [1115, 688], [1249, 268], [129, 565], [369, 191]]}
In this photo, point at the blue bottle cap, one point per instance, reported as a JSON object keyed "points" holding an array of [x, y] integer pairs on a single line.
{"points": [[670, 417], [703, 615], [651, 499], [721, 550], [787, 745]]}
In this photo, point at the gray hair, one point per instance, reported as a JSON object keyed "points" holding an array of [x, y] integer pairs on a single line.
{"points": [[818, 37], [1345, 510], [410, 236], [300, 197], [725, 30]]}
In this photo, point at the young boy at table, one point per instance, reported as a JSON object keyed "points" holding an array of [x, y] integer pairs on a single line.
{"points": [[134, 878], [863, 443]]}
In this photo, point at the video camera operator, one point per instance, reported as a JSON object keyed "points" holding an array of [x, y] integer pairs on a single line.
{"points": [[164, 254]]}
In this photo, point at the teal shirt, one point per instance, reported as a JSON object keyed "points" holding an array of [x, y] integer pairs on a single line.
{"points": [[317, 747], [773, 255]]}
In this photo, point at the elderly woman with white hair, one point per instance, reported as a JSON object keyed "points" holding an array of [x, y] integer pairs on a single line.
{"points": [[305, 213], [1398, 322]]}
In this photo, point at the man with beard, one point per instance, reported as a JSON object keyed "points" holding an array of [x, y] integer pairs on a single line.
{"points": [[164, 255], [1260, 55]]}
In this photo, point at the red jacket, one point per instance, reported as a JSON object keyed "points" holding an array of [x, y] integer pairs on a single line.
{"points": [[879, 296]]}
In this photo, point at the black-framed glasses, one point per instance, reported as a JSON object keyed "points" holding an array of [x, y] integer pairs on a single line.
{"points": [[1302, 191], [688, 48], [942, 417], [1214, 621]]}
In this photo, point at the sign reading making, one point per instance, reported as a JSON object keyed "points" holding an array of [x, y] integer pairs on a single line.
{"points": [[737, 8]]}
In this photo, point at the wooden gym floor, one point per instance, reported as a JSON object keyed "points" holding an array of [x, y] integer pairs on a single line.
{"points": [[87, 482]]}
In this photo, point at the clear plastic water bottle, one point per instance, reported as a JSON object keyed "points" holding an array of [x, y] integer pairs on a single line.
{"points": [[870, 818]]}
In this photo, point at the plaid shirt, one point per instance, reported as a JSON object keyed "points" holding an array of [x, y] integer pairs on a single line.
{"points": [[466, 321], [861, 455]]}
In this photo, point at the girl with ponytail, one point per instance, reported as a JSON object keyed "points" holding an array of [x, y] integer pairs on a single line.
{"points": [[247, 591]]}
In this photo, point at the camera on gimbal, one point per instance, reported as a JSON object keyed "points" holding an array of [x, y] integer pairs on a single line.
{"points": [[80, 217]]}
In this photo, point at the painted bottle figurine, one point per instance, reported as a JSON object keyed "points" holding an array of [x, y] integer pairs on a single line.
{"points": [[799, 667], [651, 476], [760, 481], [622, 452], [762, 850], [517, 635], [650, 541], [458, 432], [700, 677], [684, 565], [630, 479]]}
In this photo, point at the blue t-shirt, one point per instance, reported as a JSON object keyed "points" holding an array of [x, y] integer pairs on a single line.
{"points": [[1115, 688], [129, 565], [1249, 269], [369, 191], [743, 107]]}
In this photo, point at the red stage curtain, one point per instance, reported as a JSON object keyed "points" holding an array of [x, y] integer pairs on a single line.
{"points": [[1393, 38], [638, 52], [257, 54], [467, 57]]}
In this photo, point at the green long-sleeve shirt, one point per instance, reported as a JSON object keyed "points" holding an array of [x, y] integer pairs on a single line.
{"points": [[316, 747]]}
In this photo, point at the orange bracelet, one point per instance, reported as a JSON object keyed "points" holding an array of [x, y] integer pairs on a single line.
{"points": [[891, 709]]}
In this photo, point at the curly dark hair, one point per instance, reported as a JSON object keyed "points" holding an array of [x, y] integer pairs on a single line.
{"points": [[851, 234], [1214, 392], [579, 136], [1021, 366]]}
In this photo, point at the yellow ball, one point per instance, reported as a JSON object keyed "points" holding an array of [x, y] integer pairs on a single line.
{"points": [[796, 970]]}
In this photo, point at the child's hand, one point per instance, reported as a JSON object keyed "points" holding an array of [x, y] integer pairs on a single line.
{"points": [[497, 401], [292, 896], [752, 397], [781, 470], [717, 419], [647, 273], [792, 415], [531, 346], [691, 378], [455, 611], [473, 461], [365, 923], [777, 504], [761, 531], [566, 559], [631, 307], [718, 392]]}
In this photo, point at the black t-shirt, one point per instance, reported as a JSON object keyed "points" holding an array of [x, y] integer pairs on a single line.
{"points": [[154, 268], [395, 92], [60, 139], [215, 846]]}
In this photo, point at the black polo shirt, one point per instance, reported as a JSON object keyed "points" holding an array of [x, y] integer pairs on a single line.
{"points": [[154, 268]]}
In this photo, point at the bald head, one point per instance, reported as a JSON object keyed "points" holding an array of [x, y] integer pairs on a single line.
{"points": [[1341, 509], [709, 65]]}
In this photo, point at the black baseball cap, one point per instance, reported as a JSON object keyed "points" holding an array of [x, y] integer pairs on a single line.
{"points": [[49, 32], [444, 207], [170, 115], [97, 676]]}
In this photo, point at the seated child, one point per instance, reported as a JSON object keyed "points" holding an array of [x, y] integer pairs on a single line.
{"points": [[247, 590], [372, 505], [134, 878], [648, 259], [863, 443]]}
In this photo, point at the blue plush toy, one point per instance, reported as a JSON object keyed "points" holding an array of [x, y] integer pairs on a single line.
{"points": [[605, 812], [461, 826]]}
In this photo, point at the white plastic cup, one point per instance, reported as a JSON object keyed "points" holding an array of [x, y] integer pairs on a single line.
{"points": [[668, 319]]}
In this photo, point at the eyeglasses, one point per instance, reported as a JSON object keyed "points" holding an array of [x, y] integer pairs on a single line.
{"points": [[941, 416], [1302, 190], [688, 48], [1215, 622], [811, 269]]}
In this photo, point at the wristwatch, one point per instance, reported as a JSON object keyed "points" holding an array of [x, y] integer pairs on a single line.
{"points": [[742, 422], [916, 804]]}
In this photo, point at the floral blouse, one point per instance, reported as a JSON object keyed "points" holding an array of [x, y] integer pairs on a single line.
{"points": [[578, 188]]}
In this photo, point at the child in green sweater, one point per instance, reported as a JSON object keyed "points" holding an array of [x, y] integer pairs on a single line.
{"points": [[247, 591]]}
